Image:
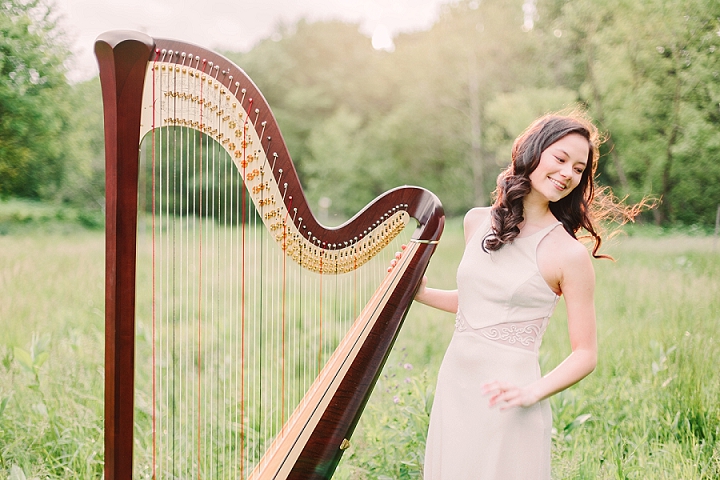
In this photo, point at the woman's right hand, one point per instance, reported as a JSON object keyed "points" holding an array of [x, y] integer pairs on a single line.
{"points": [[394, 261], [423, 282], [442, 299]]}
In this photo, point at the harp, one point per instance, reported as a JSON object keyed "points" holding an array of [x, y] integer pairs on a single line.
{"points": [[243, 337]]}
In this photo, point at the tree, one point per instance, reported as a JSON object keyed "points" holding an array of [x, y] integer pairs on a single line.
{"points": [[648, 71], [32, 86]]}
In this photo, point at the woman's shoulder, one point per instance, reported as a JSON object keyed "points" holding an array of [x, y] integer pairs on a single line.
{"points": [[473, 219], [567, 250], [564, 260], [477, 214]]}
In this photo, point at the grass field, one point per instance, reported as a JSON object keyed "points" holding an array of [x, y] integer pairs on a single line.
{"points": [[650, 410]]}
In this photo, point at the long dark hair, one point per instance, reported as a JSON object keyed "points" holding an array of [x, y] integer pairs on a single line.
{"points": [[580, 209]]}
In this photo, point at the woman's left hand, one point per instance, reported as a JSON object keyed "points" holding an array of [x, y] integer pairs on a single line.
{"points": [[507, 395]]}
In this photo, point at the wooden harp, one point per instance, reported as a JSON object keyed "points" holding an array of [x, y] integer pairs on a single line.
{"points": [[243, 337]]}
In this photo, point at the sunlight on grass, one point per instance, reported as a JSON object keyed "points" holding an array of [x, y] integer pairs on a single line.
{"points": [[649, 410]]}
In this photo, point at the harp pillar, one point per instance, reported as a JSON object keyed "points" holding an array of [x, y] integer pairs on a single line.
{"points": [[122, 59]]}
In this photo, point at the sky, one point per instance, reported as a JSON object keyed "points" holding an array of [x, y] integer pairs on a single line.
{"points": [[229, 24]]}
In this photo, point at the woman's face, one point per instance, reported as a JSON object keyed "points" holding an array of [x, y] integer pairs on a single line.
{"points": [[561, 167]]}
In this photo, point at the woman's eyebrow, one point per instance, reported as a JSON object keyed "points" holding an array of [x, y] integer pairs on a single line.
{"points": [[584, 162]]}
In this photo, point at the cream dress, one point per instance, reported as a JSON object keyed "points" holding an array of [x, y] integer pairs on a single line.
{"points": [[503, 309]]}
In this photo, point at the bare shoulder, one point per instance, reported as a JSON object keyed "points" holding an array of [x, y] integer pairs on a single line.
{"points": [[473, 219], [568, 247], [564, 261]]}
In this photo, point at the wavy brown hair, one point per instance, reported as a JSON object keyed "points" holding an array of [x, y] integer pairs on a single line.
{"points": [[580, 209]]}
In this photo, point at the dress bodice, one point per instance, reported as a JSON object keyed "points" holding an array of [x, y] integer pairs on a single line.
{"points": [[503, 292]]}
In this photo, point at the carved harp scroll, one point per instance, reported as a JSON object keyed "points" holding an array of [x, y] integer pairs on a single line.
{"points": [[167, 97]]}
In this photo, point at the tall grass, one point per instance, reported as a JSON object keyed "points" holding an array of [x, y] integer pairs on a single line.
{"points": [[650, 410], [51, 346]]}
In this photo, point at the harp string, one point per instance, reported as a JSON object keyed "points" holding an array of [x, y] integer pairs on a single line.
{"points": [[226, 300], [153, 320]]}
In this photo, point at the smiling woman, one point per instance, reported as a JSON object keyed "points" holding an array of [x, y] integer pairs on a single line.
{"points": [[517, 263]]}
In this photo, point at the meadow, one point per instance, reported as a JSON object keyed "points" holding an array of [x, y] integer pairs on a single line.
{"points": [[650, 410]]}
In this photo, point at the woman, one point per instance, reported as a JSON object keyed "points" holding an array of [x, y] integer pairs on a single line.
{"points": [[491, 418]]}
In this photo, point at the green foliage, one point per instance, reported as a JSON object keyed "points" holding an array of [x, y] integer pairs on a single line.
{"points": [[648, 72], [32, 86], [392, 445], [83, 144], [31, 360], [440, 111], [22, 216]]}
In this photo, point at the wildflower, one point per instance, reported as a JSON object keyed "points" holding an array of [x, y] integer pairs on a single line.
{"points": [[408, 366], [396, 399]]}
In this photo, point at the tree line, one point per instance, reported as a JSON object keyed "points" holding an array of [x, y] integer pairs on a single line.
{"points": [[440, 111]]}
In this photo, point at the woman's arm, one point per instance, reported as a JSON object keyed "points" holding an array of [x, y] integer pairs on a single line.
{"points": [[577, 282], [441, 299]]}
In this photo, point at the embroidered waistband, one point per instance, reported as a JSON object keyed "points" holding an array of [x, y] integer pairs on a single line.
{"points": [[526, 334]]}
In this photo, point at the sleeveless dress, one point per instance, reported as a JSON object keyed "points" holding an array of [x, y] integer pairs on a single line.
{"points": [[504, 305]]}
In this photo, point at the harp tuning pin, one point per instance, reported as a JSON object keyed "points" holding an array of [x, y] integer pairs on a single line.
{"points": [[264, 122], [237, 84], [183, 55], [280, 170], [244, 90], [257, 110], [275, 155], [164, 51]]}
